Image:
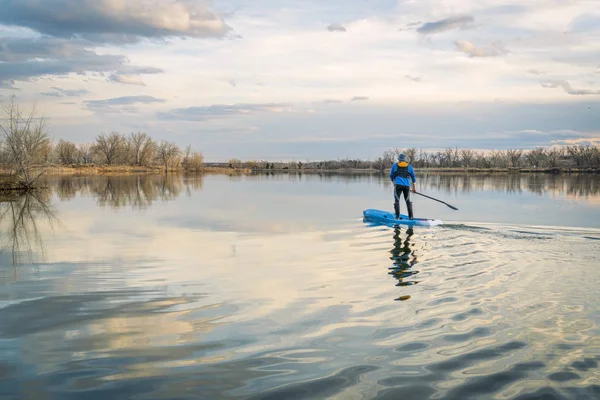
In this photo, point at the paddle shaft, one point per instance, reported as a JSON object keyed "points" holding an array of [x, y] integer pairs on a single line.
{"points": [[443, 202]]}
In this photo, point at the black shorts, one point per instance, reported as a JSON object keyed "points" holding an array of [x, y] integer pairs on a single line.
{"points": [[400, 190]]}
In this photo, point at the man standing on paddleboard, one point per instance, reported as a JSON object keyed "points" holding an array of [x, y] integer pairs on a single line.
{"points": [[401, 175]]}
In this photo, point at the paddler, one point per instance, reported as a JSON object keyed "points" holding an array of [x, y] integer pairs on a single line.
{"points": [[402, 174]]}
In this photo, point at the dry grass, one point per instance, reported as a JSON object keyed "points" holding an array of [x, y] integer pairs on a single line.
{"points": [[91, 169], [224, 170]]}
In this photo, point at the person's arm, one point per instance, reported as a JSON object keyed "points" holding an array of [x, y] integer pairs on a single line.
{"points": [[414, 178], [392, 172]]}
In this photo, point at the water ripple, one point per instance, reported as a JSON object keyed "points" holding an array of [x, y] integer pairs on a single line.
{"points": [[352, 311]]}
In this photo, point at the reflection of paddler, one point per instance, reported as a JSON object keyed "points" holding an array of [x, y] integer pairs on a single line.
{"points": [[403, 258]]}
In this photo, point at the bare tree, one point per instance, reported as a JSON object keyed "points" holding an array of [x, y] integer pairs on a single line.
{"points": [[514, 156], [142, 148], [497, 158], [424, 159], [536, 156], [411, 155], [110, 146], [194, 160], [66, 152], [26, 144], [86, 152], [380, 164], [584, 156], [168, 153], [389, 157], [553, 157], [466, 157]]}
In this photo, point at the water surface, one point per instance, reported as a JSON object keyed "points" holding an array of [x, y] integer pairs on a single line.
{"points": [[272, 286]]}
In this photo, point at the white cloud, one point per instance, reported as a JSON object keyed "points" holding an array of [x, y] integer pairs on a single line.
{"points": [[127, 79], [569, 89], [120, 104], [471, 50], [446, 24]]}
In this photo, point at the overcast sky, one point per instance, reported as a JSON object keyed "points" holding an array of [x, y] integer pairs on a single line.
{"points": [[308, 79]]}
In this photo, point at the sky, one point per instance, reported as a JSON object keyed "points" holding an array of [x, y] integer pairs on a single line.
{"points": [[308, 80]]}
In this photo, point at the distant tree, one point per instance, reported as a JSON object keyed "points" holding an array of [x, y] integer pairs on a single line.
{"points": [[110, 147], [553, 157], [496, 158], [193, 160], [411, 155], [142, 148], [466, 157], [536, 156], [235, 163], [66, 152], [86, 153], [514, 157], [168, 153], [584, 155]]}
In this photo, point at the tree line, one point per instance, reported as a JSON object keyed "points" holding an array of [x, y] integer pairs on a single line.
{"points": [[26, 149], [569, 157], [575, 156]]}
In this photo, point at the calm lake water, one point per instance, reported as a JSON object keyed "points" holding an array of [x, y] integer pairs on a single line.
{"points": [[273, 287]]}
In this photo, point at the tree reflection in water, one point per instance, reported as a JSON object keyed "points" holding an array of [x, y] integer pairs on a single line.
{"points": [[21, 218], [137, 191], [403, 258]]}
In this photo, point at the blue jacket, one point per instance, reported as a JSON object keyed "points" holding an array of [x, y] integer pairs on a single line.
{"points": [[401, 180]]}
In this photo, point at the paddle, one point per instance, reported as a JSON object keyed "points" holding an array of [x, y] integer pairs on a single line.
{"points": [[443, 202]]}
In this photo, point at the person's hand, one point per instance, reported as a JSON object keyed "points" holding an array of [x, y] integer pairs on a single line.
{"points": [[414, 190]]}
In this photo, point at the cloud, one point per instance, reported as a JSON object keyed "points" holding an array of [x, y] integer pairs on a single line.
{"points": [[411, 27], [114, 20], [473, 51], [22, 59], [567, 88], [359, 98], [133, 70], [591, 141], [127, 79], [336, 28], [204, 113], [413, 78], [329, 101], [58, 92], [535, 72], [119, 105], [457, 22]]}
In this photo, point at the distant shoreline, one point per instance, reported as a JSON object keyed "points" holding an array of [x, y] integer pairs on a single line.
{"points": [[343, 171], [91, 169]]}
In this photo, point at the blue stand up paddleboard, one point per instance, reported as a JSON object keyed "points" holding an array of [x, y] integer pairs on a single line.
{"points": [[389, 218]]}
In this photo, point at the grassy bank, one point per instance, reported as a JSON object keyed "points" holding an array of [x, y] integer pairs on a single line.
{"points": [[90, 169]]}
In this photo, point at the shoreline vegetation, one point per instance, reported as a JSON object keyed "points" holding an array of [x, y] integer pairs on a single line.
{"points": [[27, 154]]}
